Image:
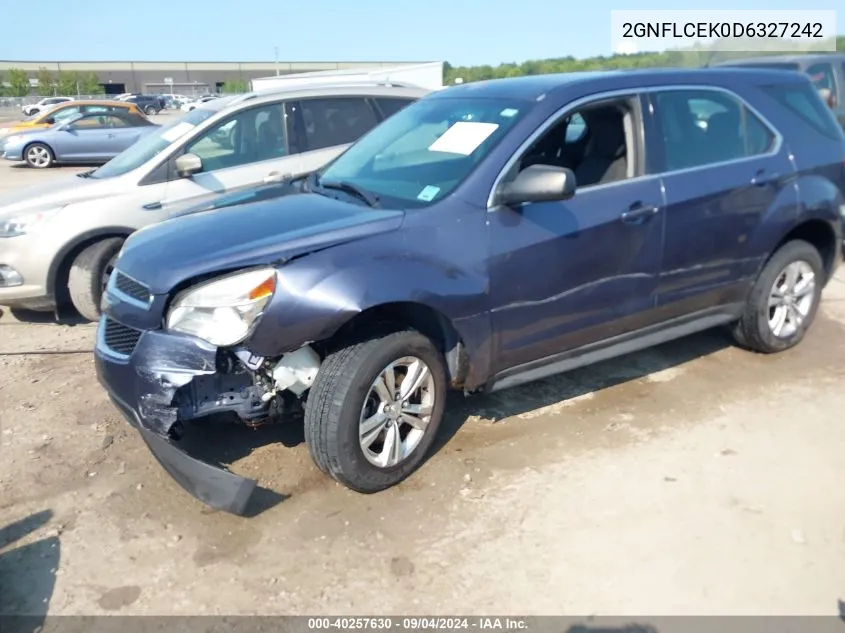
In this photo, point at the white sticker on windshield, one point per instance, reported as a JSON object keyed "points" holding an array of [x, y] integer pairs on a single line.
{"points": [[463, 137], [508, 112], [177, 131], [428, 193]]}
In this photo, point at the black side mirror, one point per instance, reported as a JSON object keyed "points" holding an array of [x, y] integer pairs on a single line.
{"points": [[50, 120], [538, 183]]}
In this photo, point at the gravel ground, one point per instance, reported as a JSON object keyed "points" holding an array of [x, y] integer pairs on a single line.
{"points": [[694, 478]]}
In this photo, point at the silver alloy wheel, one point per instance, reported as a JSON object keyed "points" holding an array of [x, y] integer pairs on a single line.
{"points": [[38, 156], [791, 298], [396, 411]]}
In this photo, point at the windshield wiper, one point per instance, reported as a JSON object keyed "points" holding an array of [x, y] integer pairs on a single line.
{"points": [[86, 174], [371, 199]]}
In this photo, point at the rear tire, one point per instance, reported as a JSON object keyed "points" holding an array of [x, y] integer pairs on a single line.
{"points": [[150, 110], [349, 431], [89, 274], [38, 156], [783, 301]]}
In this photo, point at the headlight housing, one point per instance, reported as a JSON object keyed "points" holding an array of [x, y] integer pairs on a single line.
{"points": [[11, 140], [22, 224], [225, 310]]}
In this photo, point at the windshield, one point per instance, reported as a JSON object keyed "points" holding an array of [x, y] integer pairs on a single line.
{"points": [[151, 145], [422, 153]]}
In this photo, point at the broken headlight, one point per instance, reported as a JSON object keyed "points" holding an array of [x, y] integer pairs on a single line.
{"points": [[223, 311]]}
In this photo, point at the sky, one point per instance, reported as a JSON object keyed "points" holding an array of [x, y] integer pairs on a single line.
{"points": [[462, 32]]}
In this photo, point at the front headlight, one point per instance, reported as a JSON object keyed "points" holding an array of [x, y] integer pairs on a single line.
{"points": [[21, 224], [223, 311], [11, 140]]}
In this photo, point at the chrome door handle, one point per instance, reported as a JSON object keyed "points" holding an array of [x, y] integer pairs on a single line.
{"points": [[763, 178], [638, 213], [275, 176]]}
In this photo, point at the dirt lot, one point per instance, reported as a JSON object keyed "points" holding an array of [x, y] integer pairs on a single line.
{"points": [[691, 479]]}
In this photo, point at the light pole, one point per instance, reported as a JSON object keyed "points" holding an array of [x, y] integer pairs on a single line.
{"points": [[276, 53]]}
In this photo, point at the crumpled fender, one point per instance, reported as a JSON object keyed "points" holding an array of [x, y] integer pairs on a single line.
{"points": [[320, 292]]}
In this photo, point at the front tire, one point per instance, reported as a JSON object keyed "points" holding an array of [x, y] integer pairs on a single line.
{"points": [[39, 156], [150, 111], [784, 300], [374, 409], [89, 275]]}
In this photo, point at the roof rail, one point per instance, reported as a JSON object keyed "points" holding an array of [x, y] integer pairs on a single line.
{"points": [[254, 94]]}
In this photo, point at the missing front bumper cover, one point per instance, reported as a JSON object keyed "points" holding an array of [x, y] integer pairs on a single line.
{"points": [[214, 486]]}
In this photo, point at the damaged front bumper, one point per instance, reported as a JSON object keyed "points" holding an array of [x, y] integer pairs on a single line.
{"points": [[158, 380]]}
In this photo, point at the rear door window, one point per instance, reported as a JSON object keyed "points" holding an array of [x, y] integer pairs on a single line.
{"points": [[335, 120], [707, 127], [807, 105]]}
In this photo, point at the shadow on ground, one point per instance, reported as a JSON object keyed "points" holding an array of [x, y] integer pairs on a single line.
{"points": [[28, 317], [27, 574], [224, 441]]}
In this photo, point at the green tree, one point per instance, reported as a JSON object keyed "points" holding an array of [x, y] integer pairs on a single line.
{"points": [[235, 86], [66, 83], [18, 82], [89, 84], [687, 58], [45, 82]]}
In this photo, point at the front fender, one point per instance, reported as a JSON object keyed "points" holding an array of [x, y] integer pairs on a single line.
{"points": [[321, 292]]}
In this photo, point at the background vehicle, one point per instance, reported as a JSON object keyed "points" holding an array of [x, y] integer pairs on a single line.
{"points": [[89, 138], [148, 104], [65, 111], [174, 102], [270, 137], [470, 243], [826, 71], [192, 105], [34, 108]]}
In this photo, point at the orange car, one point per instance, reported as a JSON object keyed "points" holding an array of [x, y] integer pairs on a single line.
{"points": [[68, 109]]}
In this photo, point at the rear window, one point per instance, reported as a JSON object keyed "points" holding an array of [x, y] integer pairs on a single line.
{"points": [[806, 103]]}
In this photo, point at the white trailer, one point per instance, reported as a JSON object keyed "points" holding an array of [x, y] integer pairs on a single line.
{"points": [[428, 75]]}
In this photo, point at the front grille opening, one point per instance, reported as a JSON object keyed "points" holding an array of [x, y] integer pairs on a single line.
{"points": [[120, 338], [131, 288]]}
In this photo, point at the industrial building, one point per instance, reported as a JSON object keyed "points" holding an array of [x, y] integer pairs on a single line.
{"points": [[188, 78]]}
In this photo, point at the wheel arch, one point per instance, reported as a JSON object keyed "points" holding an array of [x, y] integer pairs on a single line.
{"points": [[38, 142], [421, 317], [57, 276], [822, 235]]}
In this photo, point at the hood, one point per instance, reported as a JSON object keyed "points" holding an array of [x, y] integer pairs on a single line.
{"points": [[29, 124], [243, 195], [161, 256], [58, 192]]}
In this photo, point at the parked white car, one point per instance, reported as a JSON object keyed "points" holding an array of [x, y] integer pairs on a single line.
{"points": [[192, 105], [32, 109]]}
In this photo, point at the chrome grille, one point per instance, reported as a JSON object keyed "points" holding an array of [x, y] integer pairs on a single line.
{"points": [[131, 288], [119, 338]]}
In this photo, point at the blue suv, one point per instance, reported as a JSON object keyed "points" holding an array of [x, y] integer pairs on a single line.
{"points": [[490, 234]]}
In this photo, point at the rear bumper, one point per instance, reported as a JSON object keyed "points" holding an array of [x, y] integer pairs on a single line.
{"points": [[143, 384]]}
